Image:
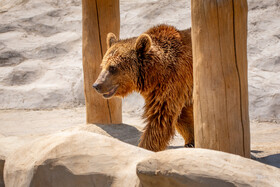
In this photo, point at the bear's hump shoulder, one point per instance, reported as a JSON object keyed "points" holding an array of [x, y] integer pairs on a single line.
{"points": [[163, 31]]}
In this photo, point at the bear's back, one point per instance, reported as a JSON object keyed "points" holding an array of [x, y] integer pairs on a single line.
{"points": [[171, 43]]}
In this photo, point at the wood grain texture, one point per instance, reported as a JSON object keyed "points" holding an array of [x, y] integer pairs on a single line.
{"points": [[219, 39], [99, 18]]}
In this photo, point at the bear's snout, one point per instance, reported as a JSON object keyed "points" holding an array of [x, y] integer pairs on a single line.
{"points": [[96, 87]]}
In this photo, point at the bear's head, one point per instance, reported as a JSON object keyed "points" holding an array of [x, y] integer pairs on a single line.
{"points": [[120, 68]]}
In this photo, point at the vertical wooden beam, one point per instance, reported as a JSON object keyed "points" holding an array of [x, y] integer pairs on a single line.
{"points": [[219, 39], [99, 18]]}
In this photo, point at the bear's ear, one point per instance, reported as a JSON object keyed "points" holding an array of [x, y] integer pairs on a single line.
{"points": [[143, 44], [111, 39]]}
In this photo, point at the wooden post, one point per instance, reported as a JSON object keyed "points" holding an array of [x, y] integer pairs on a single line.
{"points": [[99, 18], [219, 39]]}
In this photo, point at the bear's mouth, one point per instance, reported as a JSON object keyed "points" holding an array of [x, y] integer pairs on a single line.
{"points": [[109, 94]]}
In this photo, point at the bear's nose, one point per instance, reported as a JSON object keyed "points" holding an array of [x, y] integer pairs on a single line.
{"points": [[96, 86]]}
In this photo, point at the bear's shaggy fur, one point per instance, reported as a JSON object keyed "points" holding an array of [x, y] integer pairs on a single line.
{"points": [[158, 65]]}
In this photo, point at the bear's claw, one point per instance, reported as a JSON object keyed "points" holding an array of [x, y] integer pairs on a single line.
{"points": [[189, 145]]}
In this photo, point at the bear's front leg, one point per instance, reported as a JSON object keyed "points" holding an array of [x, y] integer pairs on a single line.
{"points": [[161, 113], [185, 125], [156, 137]]}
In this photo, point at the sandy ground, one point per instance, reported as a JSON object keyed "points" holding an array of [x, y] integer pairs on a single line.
{"points": [[21, 126]]}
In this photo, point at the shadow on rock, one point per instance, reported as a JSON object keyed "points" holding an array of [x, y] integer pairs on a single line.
{"points": [[256, 151], [175, 147], [49, 175], [123, 132], [273, 160]]}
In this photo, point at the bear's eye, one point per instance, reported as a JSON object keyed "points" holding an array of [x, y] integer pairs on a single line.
{"points": [[112, 69]]}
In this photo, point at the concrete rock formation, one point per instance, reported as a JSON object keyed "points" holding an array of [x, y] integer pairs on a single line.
{"points": [[80, 157], [74, 158], [202, 167]]}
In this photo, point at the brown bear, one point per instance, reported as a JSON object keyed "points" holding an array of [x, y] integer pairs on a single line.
{"points": [[158, 65]]}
